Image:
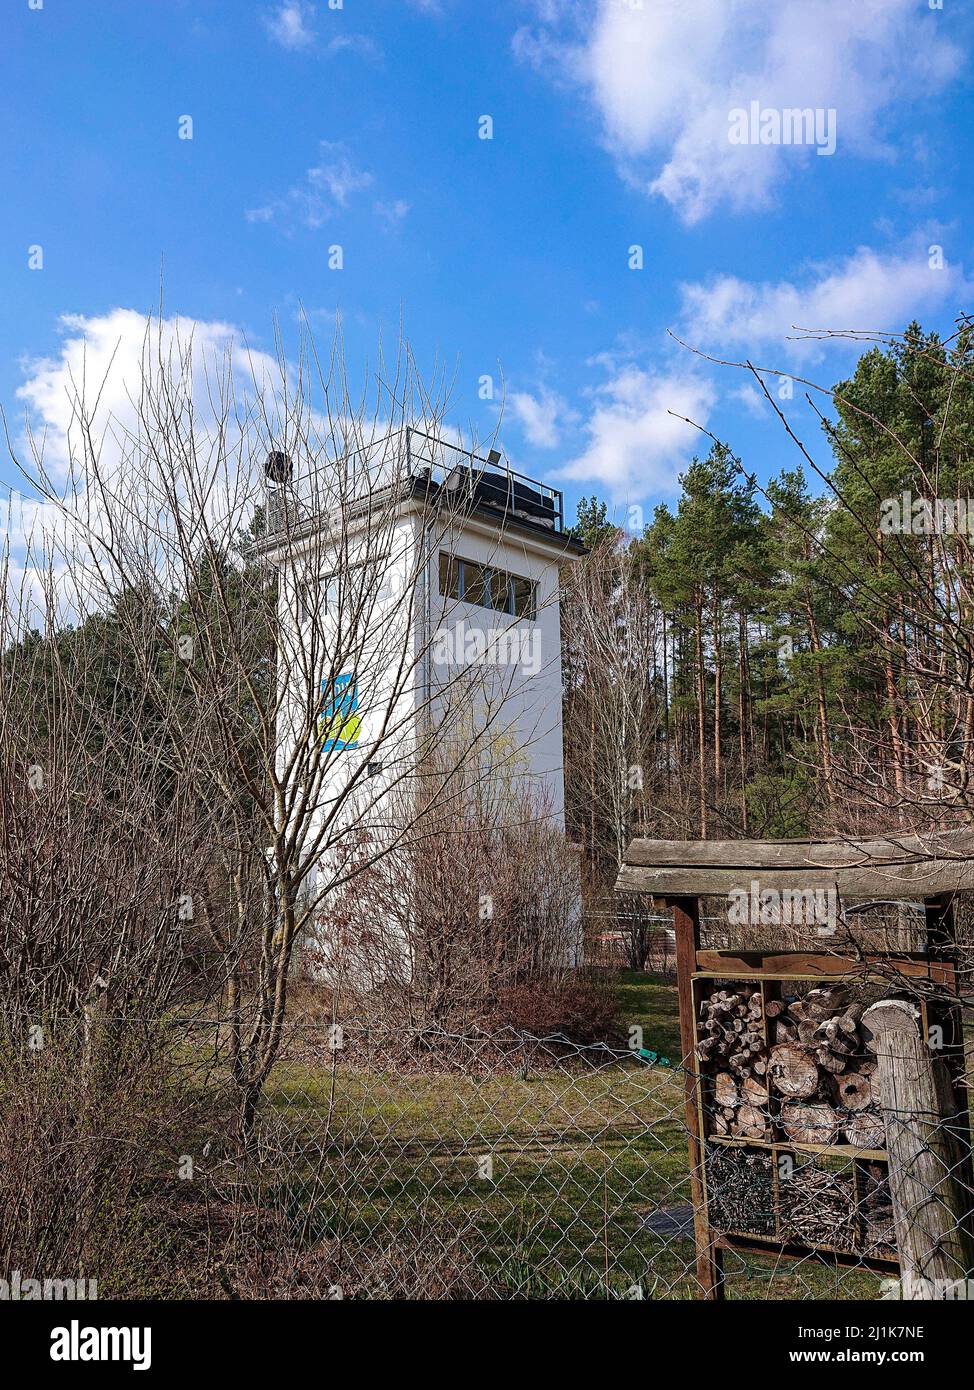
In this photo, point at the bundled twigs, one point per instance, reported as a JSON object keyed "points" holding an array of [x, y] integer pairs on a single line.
{"points": [[819, 1207], [740, 1184]]}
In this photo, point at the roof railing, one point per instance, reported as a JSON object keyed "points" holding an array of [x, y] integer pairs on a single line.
{"points": [[492, 475]]}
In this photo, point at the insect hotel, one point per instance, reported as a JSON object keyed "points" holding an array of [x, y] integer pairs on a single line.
{"points": [[825, 1094]]}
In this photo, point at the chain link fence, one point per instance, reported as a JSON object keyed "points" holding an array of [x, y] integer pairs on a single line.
{"points": [[418, 1163], [431, 1164]]}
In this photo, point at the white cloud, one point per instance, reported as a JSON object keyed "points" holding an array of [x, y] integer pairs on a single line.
{"points": [[636, 445], [868, 291], [103, 362], [392, 213], [539, 416], [336, 177], [355, 43], [292, 24], [751, 399], [327, 187], [664, 75]]}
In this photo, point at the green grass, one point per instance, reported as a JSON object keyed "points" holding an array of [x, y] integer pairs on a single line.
{"points": [[582, 1159], [651, 1002]]}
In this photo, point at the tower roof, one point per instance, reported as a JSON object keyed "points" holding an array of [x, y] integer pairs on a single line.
{"points": [[436, 476]]}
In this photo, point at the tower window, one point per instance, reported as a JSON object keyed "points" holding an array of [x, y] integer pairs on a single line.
{"points": [[486, 586]]}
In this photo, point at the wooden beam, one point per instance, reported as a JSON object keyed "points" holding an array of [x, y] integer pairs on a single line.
{"points": [[686, 924], [777, 964], [773, 1250], [919, 880], [950, 845]]}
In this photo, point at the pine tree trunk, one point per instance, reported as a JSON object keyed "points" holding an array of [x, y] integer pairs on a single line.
{"points": [[742, 702], [718, 681], [701, 721]]}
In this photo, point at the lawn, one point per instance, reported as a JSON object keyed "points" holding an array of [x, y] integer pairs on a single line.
{"points": [[564, 1177]]}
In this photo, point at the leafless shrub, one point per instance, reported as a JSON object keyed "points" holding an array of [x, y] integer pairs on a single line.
{"points": [[480, 896], [197, 620], [97, 1151]]}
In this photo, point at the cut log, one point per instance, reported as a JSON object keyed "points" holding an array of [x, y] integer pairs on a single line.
{"points": [[930, 1202], [774, 1007], [785, 1030], [754, 1092], [733, 1048], [810, 1124], [865, 1129], [750, 1117], [854, 1091], [793, 1073], [725, 1090], [834, 1036], [885, 1015], [822, 1003], [830, 1061]]}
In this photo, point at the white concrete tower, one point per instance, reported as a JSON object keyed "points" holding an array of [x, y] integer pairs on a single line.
{"points": [[420, 620]]}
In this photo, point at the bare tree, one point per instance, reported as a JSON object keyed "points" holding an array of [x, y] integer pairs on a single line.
{"points": [[285, 637], [615, 656]]}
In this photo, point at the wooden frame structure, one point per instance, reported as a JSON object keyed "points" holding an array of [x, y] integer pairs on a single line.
{"points": [[929, 870]]}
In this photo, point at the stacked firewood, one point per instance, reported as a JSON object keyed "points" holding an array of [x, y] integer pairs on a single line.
{"points": [[732, 1040], [819, 1066], [807, 1056]]}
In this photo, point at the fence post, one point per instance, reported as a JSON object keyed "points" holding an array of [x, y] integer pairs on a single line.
{"points": [[926, 1153], [686, 924]]}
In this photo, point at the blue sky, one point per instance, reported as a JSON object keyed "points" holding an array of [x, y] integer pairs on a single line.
{"points": [[360, 126]]}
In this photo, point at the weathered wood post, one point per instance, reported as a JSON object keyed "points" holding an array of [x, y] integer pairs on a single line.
{"points": [[95, 1012], [931, 1202], [686, 925]]}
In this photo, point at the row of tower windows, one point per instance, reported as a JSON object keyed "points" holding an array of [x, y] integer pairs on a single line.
{"points": [[487, 586]]}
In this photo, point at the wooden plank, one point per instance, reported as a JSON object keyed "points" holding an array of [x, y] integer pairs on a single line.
{"points": [[801, 854], [686, 923], [789, 1146], [753, 1245], [916, 881], [795, 964]]}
